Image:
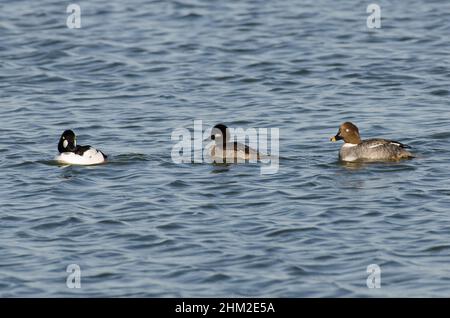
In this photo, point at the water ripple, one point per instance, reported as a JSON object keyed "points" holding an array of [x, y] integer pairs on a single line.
{"points": [[142, 226]]}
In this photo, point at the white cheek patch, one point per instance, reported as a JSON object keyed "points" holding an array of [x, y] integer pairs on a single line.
{"points": [[65, 144], [75, 143]]}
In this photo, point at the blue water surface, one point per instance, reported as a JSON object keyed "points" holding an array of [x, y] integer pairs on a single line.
{"points": [[142, 225]]}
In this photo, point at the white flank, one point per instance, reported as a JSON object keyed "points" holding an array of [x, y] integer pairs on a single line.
{"points": [[350, 158], [90, 157]]}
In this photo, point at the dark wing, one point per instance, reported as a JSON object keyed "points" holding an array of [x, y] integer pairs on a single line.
{"points": [[246, 148], [248, 151], [399, 144], [80, 150], [372, 143]]}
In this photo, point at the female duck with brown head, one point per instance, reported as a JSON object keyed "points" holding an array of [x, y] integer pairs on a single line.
{"points": [[355, 149]]}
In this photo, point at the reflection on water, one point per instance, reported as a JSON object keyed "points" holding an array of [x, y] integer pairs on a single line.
{"points": [[220, 167]]}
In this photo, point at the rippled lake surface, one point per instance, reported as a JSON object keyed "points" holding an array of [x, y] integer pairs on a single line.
{"points": [[142, 225]]}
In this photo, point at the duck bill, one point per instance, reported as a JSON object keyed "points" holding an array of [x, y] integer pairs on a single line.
{"points": [[336, 138]]}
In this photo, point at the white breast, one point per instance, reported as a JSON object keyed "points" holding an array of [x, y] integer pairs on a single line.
{"points": [[349, 158], [89, 157]]}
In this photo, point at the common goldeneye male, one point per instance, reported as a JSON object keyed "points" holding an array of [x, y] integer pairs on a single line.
{"points": [[71, 153]]}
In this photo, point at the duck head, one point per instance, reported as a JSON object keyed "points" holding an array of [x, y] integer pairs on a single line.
{"points": [[349, 133], [67, 142], [219, 133]]}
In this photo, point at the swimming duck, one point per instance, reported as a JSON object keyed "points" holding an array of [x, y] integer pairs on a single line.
{"points": [[355, 149], [223, 150], [71, 153]]}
